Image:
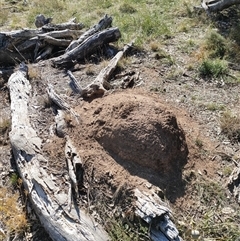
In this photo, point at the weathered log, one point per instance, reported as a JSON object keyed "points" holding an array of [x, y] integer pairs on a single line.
{"points": [[66, 33], [218, 5], [89, 46], [60, 103], [153, 210], [17, 46], [57, 42], [100, 84], [49, 201], [71, 24], [103, 24], [234, 183]]}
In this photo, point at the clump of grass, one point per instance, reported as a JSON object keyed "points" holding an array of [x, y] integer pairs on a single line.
{"points": [[12, 215], [215, 107], [213, 68], [4, 125], [230, 126], [212, 193], [14, 179], [154, 46], [90, 70], [124, 230], [127, 8], [216, 44], [199, 143], [227, 171], [33, 72]]}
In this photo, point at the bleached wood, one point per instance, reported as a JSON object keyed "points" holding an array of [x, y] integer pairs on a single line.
{"points": [[100, 84], [103, 24], [87, 47], [75, 86], [218, 5], [233, 183], [49, 201], [154, 211]]}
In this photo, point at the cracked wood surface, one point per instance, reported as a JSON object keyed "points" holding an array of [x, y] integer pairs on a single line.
{"points": [[50, 203]]}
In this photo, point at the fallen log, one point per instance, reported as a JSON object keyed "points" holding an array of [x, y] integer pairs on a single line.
{"points": [[54, 39], [88, 47], [218, 5], [49, 201], [18, 46], [103, 24]]}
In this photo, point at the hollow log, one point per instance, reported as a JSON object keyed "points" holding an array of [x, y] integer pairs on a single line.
{"points": [[49, 201], [218, 5], [89, 46]]}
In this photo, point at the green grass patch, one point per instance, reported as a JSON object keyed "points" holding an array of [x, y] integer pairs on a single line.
{"points": [[213, 68], [216, 44]]}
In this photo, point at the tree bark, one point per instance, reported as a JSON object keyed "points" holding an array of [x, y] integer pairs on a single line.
{"points": [[50, 203], [218, 5]]}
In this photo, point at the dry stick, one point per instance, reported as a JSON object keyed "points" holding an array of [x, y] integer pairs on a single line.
{"points": [[46, 52], [75, 86], [100, 84]]}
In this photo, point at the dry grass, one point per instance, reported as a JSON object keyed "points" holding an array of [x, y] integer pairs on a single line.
{"points": [[230, 126], [33, 72], [5, 125], [12, 215]]}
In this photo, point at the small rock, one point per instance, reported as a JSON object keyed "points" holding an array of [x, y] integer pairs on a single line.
{"points": [[195, 234], [228, 210]]}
